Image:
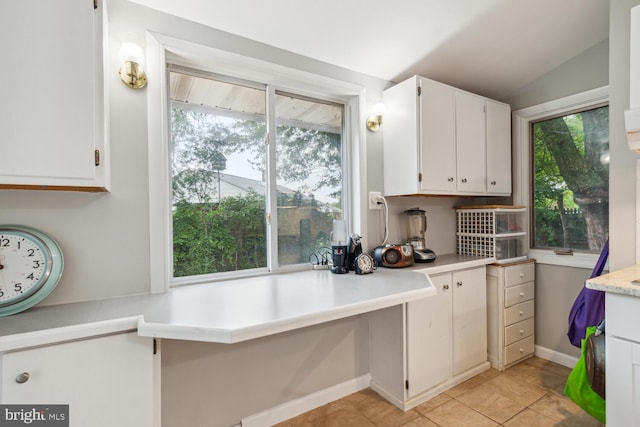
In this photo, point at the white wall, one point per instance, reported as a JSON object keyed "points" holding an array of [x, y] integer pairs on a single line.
{"points": [[622, 169], [589, 69], [105, 239]]}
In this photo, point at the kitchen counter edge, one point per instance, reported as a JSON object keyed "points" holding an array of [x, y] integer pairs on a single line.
{"points": [[625, 281]]}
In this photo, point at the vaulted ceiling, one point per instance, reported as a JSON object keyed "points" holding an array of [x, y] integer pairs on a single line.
{"points": [[493, 47]]}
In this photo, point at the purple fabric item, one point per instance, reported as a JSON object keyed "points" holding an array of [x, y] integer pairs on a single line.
{"points": [[588, 308]]}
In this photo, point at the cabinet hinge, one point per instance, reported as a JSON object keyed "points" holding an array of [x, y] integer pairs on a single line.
{"points": [[95, 4], [419, 177], [155, 346], [268, 218], [406, 384], [96, 157], [419, 90]]}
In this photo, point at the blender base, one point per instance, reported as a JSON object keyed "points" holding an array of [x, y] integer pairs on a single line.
{"points": [[424, 255]]}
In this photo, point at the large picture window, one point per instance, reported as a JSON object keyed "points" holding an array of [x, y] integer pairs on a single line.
{"points": [[243, 199], [570, 175]]}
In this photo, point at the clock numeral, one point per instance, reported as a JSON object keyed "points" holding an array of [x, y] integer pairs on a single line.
{"points": [[30, 277], [30, 252], [4, 242], [17, 287], [36, 264], [1, 293]]}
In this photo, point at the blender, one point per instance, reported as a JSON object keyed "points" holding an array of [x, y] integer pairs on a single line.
{"points": [[416, 227]]}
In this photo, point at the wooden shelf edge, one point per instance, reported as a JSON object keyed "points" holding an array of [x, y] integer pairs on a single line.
{"points": [[53, 188]]}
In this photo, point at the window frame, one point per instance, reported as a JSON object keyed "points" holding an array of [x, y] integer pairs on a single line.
{"points": [[522, 164], [163, 50]]}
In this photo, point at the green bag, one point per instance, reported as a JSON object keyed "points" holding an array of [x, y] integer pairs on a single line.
{"points": [[578, 389]]}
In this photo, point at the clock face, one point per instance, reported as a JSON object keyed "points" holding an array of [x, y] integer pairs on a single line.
{"points": [[31, 264], [365, 263], [25, 264]]}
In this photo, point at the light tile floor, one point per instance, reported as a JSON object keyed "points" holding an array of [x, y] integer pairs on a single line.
{"points": [[529, 394]]}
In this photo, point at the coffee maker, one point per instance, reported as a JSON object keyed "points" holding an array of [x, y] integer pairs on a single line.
{"points": [[339, 248], [416, 227]]}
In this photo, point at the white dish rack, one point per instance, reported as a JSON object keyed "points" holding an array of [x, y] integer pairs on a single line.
{"points": [[492, 231]]}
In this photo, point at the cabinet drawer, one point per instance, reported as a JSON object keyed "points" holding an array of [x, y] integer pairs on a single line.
{"points": [[518, 331], [519, 350], [521, 273], [518, 312], [518, 294]]}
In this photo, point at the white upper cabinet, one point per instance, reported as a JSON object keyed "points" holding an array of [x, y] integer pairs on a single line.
{"points": [[470, 143], [444, 141], [51, 109], [437, 126], [499, 145]]}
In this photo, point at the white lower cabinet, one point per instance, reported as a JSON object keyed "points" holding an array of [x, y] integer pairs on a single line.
{"points": [[106, 381], [622, 359], [623, 382], [421, 348]]}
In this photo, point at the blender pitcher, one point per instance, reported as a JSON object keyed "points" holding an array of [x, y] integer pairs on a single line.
{"points": [[416, 227]]}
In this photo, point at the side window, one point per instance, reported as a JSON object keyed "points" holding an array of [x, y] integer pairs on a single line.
{"points": [[225, 175], [570, 168]]}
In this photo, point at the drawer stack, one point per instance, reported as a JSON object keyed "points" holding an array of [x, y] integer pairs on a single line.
{"points": [[510, 315]]}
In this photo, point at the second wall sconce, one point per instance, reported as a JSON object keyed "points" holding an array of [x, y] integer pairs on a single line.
{"points": [[131, 72], [374, 121]]}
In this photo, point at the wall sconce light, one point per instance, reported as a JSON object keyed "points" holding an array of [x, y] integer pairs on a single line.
{"points": [[131, 72], [374, 121]]}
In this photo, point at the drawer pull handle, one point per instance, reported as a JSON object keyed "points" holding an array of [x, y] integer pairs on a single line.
{"points": [[450, 179], [22, 378], [522, 294], [522, 313], [521, 332], [521, 350], [521, 275], [459, 284], [445, 287], [464, 180]]}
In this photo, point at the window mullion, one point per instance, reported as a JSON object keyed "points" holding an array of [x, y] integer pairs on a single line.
{"points": [[271, 194]]}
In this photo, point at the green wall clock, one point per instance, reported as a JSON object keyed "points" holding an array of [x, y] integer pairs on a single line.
{"points": [[31, 265]]}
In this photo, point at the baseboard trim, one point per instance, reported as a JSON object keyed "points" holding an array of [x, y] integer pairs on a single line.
{"points": [[555, 356], [304, 404]]}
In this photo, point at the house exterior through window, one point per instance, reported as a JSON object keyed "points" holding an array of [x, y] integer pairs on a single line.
{"points": [[257, 174]]}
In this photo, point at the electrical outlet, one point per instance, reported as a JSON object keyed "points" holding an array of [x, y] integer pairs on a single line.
{"points": [[373, 200]]}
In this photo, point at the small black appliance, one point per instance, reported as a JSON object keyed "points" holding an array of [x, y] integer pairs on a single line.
{"points": [[340, 259], [355, 249]]}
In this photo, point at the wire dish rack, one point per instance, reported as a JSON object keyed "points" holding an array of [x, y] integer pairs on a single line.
{"points": [[492, 231]]}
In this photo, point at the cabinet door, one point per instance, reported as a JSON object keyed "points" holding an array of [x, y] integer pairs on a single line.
{"points": [[470, 143], [622, 382], [48, 114], [429, 338], [437, 136], [469, 319], [498, 148], [106, 381]]}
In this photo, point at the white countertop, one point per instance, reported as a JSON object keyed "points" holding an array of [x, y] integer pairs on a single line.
{"points": [[233, 310], [620, 281], [449, 262], [224, 312]]}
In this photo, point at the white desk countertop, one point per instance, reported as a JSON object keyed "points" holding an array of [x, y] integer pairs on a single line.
{"points": [[223, 312], [234, 310]]}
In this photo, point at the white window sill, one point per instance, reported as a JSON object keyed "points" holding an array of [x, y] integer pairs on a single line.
{"points": [[577, 259]]}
